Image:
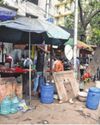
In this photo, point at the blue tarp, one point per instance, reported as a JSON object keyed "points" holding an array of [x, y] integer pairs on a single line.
{"points": [[6, 14]]}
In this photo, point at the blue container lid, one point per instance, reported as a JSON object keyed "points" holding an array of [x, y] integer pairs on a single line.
{"points": [[94, 89], [47, 85]]}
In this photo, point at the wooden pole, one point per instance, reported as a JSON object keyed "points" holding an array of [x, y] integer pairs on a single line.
{"points": [[29, 68]]}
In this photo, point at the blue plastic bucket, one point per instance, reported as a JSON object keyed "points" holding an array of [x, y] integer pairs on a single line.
{"points": [[93, 98], [47, 92]]}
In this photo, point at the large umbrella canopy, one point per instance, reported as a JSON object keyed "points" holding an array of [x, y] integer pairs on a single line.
{"points": [[11, 35], [17, 31], [54, 31], [39, 29], [24, 24]]}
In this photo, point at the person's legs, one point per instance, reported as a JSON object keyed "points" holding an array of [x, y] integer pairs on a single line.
{"points": [[36, 83]]}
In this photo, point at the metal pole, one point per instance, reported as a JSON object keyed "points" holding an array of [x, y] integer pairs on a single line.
{"points": [[47, 8], [51, 52], [30, 68], [75, 34], [2, 46], [46, 46]]}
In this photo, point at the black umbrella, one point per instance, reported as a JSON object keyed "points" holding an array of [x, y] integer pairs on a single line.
{"points": [[17, 36], [17, 30]]}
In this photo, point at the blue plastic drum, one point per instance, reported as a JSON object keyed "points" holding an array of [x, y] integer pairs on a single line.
{"points": [[47, 92], [93, 98]]}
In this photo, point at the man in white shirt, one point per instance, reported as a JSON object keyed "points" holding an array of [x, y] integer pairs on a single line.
{"points": [[27, 62]]}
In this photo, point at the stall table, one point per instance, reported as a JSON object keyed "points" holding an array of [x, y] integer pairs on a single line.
{"points": [[17, 72]]}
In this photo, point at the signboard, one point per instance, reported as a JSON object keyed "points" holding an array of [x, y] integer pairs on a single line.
{"points": [[6, 14], [50, 20], [68, 52]]}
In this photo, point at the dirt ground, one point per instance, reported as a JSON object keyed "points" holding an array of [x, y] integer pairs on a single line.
{"points": [[55, 113]]}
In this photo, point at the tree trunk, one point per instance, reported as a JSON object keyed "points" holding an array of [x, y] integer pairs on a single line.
{"points": [[82, 34]]}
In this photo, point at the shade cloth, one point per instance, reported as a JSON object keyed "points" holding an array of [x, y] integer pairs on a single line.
{"points": [[80, 44]]}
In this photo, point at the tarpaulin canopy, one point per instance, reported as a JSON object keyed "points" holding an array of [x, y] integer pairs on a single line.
{"points": [[84, 46], [80, 44]]}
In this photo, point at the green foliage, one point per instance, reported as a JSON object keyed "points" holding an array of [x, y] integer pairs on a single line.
{"points": [[95, 23], [96, 36], [88, 10], [89, 13], [1, 2], [69, 21]]}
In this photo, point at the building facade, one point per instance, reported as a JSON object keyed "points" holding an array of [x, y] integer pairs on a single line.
{"points": [[37, 8], [63, 8]]}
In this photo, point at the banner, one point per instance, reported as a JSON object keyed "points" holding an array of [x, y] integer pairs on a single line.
{"points": [[6, 14]]}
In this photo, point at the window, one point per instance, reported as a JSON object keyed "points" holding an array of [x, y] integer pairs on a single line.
{"points": [[57, 9], [34, 1], [61, 0]]}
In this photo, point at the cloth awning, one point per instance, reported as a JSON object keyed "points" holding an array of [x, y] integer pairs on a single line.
{"points": [[80, 44]]}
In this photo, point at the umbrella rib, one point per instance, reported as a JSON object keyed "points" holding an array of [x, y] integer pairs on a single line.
{"points": [[20, 23]]}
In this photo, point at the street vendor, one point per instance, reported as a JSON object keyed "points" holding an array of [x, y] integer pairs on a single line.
{"points": [[9, 59], [39, 78], [58, 65], [27, 62]]}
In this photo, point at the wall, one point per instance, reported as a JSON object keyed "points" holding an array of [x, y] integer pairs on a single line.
{"points": [[26, 7]]}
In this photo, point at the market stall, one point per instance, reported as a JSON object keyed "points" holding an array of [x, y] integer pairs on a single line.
{"points": [[32, 31]]}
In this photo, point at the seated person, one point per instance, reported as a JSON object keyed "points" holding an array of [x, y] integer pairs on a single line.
{"points": [[9, 59], [58, 65]]}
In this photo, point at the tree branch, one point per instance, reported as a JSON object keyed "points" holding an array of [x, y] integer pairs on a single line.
{"points": [[81, 13], [89, 13], [91, 16]]}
